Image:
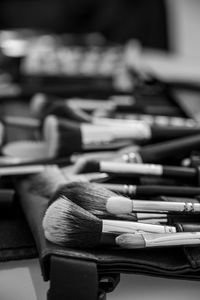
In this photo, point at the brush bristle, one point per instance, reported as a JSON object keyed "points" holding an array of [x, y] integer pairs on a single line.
{"points": [[90, 196], [130, 241], [63, 110], [38, 105], [50, 133], [63, 137], [2, 132], [46, 182], [67, 224]]}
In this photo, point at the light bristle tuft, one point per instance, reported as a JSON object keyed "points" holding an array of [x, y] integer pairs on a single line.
{"points": [[65, 223], [38, 104], [47, 182], [50, 133]]}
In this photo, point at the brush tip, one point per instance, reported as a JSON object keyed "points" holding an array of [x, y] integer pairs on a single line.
{"points": [[63, 137], [130, 241], [38, 104], [50, 133], [67, 224], [2, 132], [119, 205]]}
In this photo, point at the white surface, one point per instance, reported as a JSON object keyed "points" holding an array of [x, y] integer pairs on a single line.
{"points": [[22, 280], [184, 24], [136, 287]]}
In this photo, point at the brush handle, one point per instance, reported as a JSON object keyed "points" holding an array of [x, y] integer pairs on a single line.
{"points": [[103, 133], [132, 241], [164, 132], [179, 172], [161, 206], [21, 170], [146, 169], [130, 169], [23, 122], [146, 216], [121, 205], [156, 190], [115, 226], [161, 152], [153, 190]]}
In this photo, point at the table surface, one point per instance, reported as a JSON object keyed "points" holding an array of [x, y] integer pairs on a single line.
{"points": [[22, 280]]}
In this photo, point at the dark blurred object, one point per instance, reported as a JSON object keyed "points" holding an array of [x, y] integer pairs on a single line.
{"points": [[117, 20]]}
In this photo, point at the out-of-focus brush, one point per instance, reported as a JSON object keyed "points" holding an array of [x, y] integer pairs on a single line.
{"points": [[65, 137]]}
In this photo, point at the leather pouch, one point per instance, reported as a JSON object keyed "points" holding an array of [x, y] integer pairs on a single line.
{"points": [[176, 262]]}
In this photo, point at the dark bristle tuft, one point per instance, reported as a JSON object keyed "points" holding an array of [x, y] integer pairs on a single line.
{"points": [[62, 136], [63, 110], [87, 166], [90, 196], [67, 224]]}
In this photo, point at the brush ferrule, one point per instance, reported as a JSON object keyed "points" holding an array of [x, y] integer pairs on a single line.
{"points": [[162, 206], [132, 157], [176, 239], [22, 170], [118, 227], [130, 189], [107, 132], [130, 169]]}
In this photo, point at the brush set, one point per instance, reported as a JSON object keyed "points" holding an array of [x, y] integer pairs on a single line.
{"points": [[116, 166]]}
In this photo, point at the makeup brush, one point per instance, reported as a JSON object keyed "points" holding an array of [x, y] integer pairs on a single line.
{"points": [[21, 170], [46, 182], [138, 169], [150, 190], [61, 135], [66, 137], [82, 194], [21, 122], [162, 152], [147, 240], [94, 197], [68, 224]]}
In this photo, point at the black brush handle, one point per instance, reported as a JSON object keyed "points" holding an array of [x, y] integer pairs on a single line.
{"points": [[162, 152], [7, 197], [164, 132], [179, 172], [188, 227], [153, 190], [176, 191]]}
